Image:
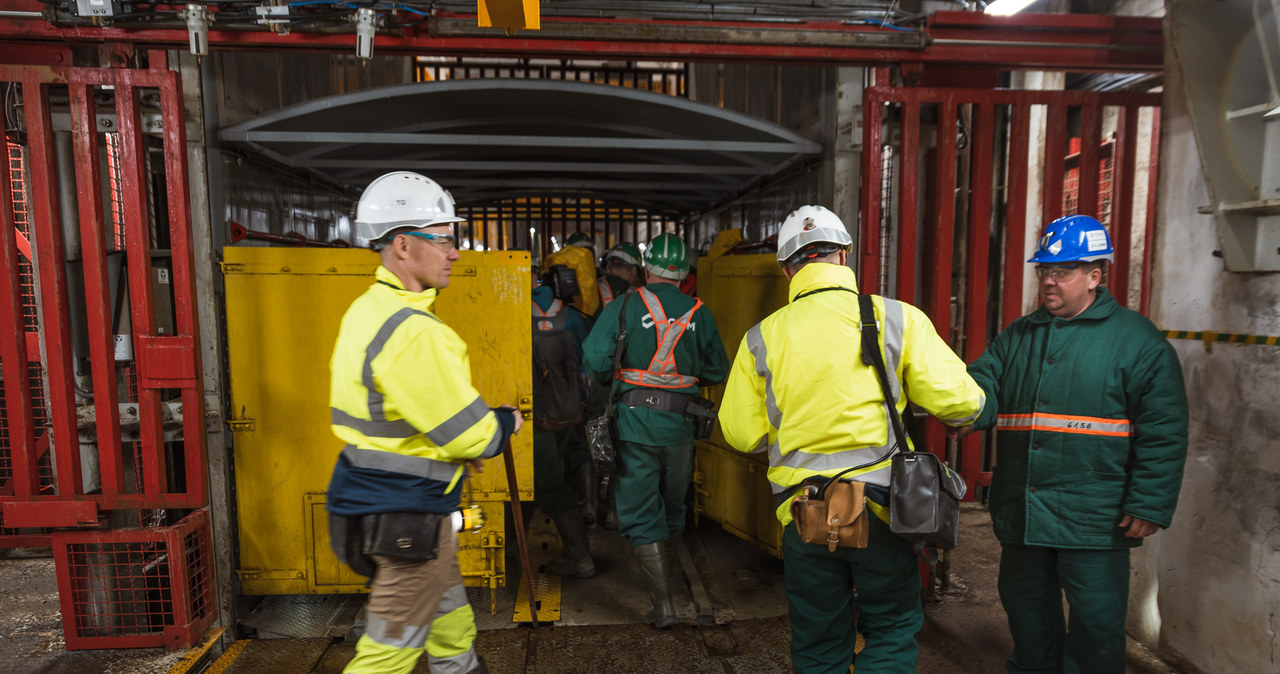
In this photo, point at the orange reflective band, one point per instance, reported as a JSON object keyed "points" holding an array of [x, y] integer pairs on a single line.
{"points": [[1064, 423]]}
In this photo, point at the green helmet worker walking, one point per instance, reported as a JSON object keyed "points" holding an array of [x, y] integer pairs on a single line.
{"points": [[670, 347]]}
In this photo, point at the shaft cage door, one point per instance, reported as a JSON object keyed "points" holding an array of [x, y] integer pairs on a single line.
{"points": [[946, 228]]}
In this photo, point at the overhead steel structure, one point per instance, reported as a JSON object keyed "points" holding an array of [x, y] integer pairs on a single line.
{"points": [[490, 140]]}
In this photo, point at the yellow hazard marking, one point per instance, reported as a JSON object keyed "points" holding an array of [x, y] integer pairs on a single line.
{"points": [[228, 657], [1208, 337], [194, 654], [546, 595]]}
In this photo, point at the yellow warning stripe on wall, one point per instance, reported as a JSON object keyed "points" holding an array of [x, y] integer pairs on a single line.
{"points": [[1208, 337]]}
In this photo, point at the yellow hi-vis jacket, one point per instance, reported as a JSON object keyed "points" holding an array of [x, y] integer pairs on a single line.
{"points": [[799, 390], [401, 399]]}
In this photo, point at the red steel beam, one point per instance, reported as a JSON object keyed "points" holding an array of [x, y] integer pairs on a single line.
{"points": [[1015, 230], [138, 235], [186, 318], [1148, 244], [1123, 167], [96, 285], [943, 239], [908, 198], [56, 328], [872, 139], [982, 141], [14, 349], [1055, 150], [1047, 41], [1090, 134]]}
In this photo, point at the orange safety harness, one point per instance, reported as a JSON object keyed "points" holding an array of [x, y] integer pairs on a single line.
{"points": [[662, 368]]}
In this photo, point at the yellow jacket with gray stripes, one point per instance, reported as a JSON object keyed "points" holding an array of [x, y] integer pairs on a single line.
{"points": [[401, 399], [798, 388]]}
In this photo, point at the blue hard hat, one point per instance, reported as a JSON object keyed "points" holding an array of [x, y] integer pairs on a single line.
{"points": [[1075, 238]]}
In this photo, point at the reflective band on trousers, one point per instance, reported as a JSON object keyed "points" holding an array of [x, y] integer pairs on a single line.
{"points": [[399, 463], [1063, 423], [662, 368]]}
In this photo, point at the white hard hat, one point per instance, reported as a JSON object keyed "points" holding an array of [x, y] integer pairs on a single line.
{"points": [[399, 200], [810, 224]]}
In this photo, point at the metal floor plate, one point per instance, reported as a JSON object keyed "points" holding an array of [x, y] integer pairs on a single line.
{"points": [[305, 616]]}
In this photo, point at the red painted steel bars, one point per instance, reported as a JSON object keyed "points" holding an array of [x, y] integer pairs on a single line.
{"points": [[982, 142], [1123, 168]]}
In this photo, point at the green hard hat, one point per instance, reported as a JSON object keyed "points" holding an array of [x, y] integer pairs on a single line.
{"points": [[579, 239], [667, 257], [624, 252]]}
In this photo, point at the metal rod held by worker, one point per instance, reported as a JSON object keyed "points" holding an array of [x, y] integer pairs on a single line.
{"points": [[510, 462]]}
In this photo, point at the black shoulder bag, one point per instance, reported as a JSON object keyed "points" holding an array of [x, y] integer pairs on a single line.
{"points": [[924, 495], [599, 428]]}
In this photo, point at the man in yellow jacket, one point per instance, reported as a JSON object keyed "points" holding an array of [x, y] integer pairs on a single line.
{"points": [[401, 399], [798, 390]]}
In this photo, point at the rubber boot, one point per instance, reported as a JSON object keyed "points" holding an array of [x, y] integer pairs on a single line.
{"points": [[577, 554], [656, 574], [611, 515], [669, 551], [584, 478]]}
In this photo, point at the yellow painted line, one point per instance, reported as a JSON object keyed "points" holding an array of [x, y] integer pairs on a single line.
{"points": [[546, 594], [1209, 336], [194, 654], [228, 658]]}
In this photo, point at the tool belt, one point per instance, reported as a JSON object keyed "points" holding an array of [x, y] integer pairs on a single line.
{"points": [[700, 410]]}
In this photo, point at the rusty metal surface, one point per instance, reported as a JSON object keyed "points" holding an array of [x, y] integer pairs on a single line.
{"points": [[304, 616]]}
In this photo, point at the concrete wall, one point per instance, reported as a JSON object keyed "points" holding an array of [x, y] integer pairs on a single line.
{"points": [[1206, 592]]}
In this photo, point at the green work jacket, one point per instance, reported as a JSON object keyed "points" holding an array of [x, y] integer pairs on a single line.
{"points": [[1091, 425], [698, 354]]}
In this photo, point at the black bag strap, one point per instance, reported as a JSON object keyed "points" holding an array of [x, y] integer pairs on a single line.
{"points": [[871, 356], [617, 355]]}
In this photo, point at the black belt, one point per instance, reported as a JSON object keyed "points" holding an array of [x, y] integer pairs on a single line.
{"points": [[667, 401]]}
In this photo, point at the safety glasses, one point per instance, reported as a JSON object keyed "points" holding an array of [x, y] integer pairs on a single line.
{"points": [[1059, 273], [445, 241]]}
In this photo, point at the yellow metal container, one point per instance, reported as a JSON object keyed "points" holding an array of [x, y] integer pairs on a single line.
{"points": [[731, 488], [283, 310]]}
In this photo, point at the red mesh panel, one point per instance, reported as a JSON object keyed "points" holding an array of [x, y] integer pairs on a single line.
{"points": [[135, 588]]}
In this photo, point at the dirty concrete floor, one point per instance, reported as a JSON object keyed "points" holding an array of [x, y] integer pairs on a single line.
{"points": [[964, 632]]}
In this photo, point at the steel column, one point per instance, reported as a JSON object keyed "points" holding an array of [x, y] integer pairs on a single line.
{"points": [[1123, 168], [1015, 221], [1087, 201], [908, 198], [982, 142], [1055, 163]]}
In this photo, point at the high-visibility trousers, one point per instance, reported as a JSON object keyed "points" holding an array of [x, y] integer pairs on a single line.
{"points": [[416, 607]]}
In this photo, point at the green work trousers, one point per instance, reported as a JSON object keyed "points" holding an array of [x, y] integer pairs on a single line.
{"points": [[824, 624], [652, 485], [552, 488], [1033, 581]]}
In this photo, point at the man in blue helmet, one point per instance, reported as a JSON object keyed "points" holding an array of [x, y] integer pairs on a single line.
{"points": [[1091, 411]]}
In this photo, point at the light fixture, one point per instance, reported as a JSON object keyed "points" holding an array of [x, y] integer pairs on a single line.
{"points": [[1006, 7], [366, 28], [198, 19]]}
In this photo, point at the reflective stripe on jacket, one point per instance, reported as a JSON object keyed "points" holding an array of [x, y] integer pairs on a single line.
{"points": [[798, 388], [662, 371], [606, 292], [1091, 419], [401, 399]]}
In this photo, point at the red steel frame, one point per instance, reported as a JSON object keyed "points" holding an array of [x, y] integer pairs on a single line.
{"points": [[1080, 42], [111, 592], [164, 362], [938, 230]]}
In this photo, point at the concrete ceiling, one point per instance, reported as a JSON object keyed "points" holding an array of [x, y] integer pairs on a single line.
{"points": [[496, 139]]}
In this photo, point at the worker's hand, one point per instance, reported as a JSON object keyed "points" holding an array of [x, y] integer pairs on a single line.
{"points": [[957, 432], [518, 416], [1137, 528], [475, 467]]}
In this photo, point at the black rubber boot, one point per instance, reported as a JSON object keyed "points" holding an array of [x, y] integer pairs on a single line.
{"points": [[584, 478], [656, 574], [611, 515], [577, 553]]}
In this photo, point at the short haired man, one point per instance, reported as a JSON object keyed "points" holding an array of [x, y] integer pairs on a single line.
{"points": [[1091, 415], [401, 399], [799, 390]]}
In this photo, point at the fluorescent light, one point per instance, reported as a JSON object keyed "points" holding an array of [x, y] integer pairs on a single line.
{"points": [[1006, 7]]}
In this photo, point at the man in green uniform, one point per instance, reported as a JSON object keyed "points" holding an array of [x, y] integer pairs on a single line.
{"points": [[671, 348], [800, 391], [1091, 412]]}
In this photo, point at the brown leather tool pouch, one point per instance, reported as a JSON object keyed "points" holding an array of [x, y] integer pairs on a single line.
{"points": [[831, 512]]}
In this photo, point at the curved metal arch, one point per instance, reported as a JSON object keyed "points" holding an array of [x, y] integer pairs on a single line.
{"points": [[550, 137]]}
